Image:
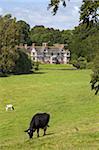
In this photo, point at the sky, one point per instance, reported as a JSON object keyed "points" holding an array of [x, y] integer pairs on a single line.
{"points": [[35, 12]]}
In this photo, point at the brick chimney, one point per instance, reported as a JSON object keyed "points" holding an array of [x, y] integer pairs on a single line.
{"points": [[25, 46], [44, 44]]}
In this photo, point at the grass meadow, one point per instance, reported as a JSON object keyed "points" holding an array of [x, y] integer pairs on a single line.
{"points": [[65, 94]]}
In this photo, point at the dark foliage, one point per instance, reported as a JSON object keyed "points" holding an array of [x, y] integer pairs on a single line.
{"points": [[95, 76], [54, 4], [80, 63], [23, 64]]}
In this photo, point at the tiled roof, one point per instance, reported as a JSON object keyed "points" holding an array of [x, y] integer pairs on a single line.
{"points": [[55, 49]]}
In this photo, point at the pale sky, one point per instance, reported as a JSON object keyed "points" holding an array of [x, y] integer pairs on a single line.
{"points": [[35, 12]]}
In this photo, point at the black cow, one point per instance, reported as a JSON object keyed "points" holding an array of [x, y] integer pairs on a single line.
{"points": [[39, 120]]}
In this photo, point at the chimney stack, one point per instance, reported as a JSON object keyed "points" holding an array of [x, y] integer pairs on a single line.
{"points": [[25, 46], [44, 45]]}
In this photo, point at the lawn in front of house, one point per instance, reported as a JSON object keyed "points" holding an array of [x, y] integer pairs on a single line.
{"points": [[65, 94]]}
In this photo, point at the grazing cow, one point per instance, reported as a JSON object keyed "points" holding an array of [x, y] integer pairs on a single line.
{"points": [[39, 120], [10, 107]]}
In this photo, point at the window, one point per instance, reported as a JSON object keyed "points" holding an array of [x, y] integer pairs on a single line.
{"points": [[52, 53], [44, 53], [45, 50]]}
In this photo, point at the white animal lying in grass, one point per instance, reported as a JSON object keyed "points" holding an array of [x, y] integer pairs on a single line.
{"points": [[10, 107]]}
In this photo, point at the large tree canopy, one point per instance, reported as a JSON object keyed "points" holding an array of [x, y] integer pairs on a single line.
{"points": [[24, 32], [85, 42], [89, 11], [11, 34], [8, 40]]}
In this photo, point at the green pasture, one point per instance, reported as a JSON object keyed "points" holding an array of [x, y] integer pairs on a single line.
{"points": [[65, 94]]}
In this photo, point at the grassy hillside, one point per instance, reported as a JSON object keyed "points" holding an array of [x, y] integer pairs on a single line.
{"points": [[65, 94]]}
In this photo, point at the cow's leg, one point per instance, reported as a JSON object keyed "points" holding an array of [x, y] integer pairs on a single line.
{"points": [[38, 132], [45, 128]]}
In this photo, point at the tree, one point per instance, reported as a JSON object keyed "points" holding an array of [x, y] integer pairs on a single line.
{"points": [[66, 37], [8, 40], [24, 32], [8, 31], [95, 76], [8, 56], [23, 64], [89, 12], [11, 34], [84, 42], [54, 4]]}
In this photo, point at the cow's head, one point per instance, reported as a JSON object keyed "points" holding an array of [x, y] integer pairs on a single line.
{"points": [[30, 132]]}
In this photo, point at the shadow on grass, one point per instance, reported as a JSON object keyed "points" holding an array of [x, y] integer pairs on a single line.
{"points": [[4, 75], [52, 133], [34, 138], [32, 72], [59, 69], [40, 72]]}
